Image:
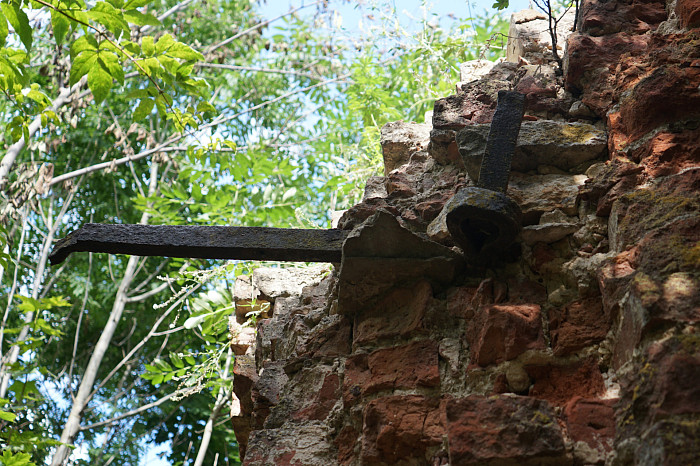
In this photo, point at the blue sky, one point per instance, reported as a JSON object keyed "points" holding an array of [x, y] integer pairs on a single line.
{"points": [[351, 11]]}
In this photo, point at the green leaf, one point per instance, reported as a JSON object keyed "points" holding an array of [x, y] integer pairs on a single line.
{"points": [[163, 365], [137, 94], [28, 304], [185, 52], [190, 360], [16, 459], [82, 64], [99, 81], [4, 30], [165, 41], [147, 46], [170, 64], [60, 24], [83, 43], [143, 109], [177, 360], [136, 3], [5, 416], [19, 21], [141, 19], [151, 65], [110, 62], [153, 369], [161, 105], [110, 18]]}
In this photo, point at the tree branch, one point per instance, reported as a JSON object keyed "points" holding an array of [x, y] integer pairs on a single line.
{"points": [[138, 410], [147, 294], [258, 70], [255, 27], [164, 146], [14, 150]]}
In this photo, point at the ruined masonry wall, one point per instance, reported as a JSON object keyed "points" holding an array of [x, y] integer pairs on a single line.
{"points": [[583, 349]]}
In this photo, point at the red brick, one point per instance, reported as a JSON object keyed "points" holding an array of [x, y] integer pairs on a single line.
{"points": [[578, 324], [559, 384], [402, 367], [330, 338], [592, 421], [459, 302], [345, 442], [688, 12], [599, 17], [503, 430], [401, 428], [668, 153], [502, 332], [319, 403]]}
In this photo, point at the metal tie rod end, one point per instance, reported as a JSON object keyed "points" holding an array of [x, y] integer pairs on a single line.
{"points": [[483, 220]]}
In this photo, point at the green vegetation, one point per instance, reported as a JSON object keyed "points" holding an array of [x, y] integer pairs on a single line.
{"points": [[166, 112]]}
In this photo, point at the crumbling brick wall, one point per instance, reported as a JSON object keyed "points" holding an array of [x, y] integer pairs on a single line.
{"points": [[581, 349]]}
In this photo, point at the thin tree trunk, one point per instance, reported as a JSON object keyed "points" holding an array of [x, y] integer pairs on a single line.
{"points": [[218, 406], [13, 355], [72, 426]]}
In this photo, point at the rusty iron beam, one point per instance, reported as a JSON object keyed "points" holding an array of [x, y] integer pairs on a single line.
{"points": [[204, 242], [503, 136]]}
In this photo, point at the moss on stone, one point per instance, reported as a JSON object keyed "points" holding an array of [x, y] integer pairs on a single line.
{"points": [[691, 256], [541, 418], [649, 291], [652, 209], [690, 343], [578, 133]]}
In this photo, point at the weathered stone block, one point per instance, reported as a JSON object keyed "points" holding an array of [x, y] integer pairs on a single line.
{"points": [[659, 404], [308, 445], [543, 142], [538, 194], [577, 325], [399, 140], [640, 211], [688, 12], [592, 421], [275, 282], [400, 313], [502, 332], [266, 391], [401, 367], [503, 430], [399, 429], [559, 384], [547, 232], [529, 37], [599, 18]]}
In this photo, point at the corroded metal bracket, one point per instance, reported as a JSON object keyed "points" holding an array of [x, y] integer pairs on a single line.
{"points": [[205, 242], [482, 220]]}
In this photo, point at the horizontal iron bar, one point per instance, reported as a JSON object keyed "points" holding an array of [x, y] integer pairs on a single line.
{"points": [[204, 242]]}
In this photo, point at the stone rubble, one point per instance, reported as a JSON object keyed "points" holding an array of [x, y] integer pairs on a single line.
{"points": [[583, 349]]}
